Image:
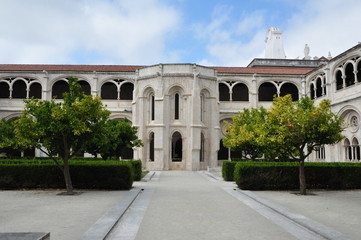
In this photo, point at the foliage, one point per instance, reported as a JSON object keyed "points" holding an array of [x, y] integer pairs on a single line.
{"points": [[245, 132], [118, 135], [287, 130], [228, 170], [298, 128], [137, 169], [15, 174], [284, 175], [8, 143], [62, 128]]}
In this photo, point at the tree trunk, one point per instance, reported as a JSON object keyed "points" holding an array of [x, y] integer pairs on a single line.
{"points": [[302, 177], [68, 183]]}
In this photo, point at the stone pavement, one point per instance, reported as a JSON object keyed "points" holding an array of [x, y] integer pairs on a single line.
{"points": [[183, 205]]}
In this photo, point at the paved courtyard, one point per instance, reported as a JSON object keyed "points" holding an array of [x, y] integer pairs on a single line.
{"points": [[187, 205]]}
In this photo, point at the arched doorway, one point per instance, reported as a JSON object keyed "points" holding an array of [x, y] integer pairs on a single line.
{"points": [[177, 147]]}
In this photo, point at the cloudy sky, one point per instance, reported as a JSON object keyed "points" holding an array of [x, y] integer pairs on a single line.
{"points": [[144, 32]]}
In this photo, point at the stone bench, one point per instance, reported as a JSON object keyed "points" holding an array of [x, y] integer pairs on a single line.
{"points": [[25, 236]]}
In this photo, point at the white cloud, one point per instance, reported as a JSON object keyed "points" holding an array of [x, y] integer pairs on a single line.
{"points": [[117, 32], [325, 25], [230, 42]]}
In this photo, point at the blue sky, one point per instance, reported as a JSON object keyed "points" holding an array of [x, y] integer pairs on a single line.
{"points": [[145, 32]]}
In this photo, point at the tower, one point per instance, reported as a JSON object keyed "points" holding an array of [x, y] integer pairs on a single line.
{"points": [[274, 44]]}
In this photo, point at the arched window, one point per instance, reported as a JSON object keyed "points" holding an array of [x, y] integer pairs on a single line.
{"points": [[339, 80], [201, 107], [324, 85], [85, 87], [318, 87], [202, 151], [355, 149], [109, 91], [151, 146], [59, 88], [321, 153], [177, 147], [240, 92], [359, 71], [4, 90], [289, 88], [19, 89], [312, 91], [267, 91], [348, 150], [35, 90], [223, 92], [126, 91], [350, 76], [176, 106], [152, 107]]}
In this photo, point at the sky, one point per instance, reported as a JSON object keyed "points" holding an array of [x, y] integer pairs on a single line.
{"points": [[147, 32]]}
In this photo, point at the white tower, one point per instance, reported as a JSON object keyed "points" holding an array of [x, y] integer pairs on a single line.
{"points": [[274, 44]]}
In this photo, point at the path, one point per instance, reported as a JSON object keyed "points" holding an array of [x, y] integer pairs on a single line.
{"points": [[191, 205]]}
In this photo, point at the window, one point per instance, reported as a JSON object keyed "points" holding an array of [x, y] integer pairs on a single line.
{"points": [[202, 151], [152, 107], [109, 91], [177, 147], [267, 91], [126, 91], [240, 92], [59, 88], [223, 92], [176, 106], [151, 147]]}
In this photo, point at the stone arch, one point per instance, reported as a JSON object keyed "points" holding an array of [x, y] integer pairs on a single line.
{"points": [[355, 149], [239, 92], [176, 93], [109, 90], [312, 90], [348, 149], [318, 86], [13, 116], [267, 91], [59, 87], [339, 79], [177, 147], [19, 88], [85, 87], [126, 91], [149, 103], [349, 74], [224, 92], [358, 68], [35, 90], [289, 88], [4, 89]]}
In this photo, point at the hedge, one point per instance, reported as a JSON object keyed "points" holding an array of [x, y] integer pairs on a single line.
{"points": [[137, 169], [228, 170], [114, 175], [284, 175]]}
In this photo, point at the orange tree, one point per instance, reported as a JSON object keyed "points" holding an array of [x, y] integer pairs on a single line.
{"points": [[298, 128], [62, 128]]}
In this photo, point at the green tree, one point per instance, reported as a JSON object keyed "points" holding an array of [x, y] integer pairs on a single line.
{"points": [[8, 143], [119, 136], [298, 128], [62, 128], [245, 133]]}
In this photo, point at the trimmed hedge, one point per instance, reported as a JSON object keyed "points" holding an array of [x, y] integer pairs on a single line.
{"points": [[137, 169], [114, 175], [228, 170], [284, 175]]}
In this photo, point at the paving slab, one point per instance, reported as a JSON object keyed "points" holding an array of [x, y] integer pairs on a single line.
{"points": [[187, 205], [65, 217]]}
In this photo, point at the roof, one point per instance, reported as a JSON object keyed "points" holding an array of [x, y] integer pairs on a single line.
{"points": [[133, 68], [71, 68], [264, 70]]}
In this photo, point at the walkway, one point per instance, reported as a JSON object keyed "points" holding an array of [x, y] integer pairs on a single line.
{"points": [[191, 205]]}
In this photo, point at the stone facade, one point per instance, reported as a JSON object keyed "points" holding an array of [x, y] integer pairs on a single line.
{"points": [[181, 109]]}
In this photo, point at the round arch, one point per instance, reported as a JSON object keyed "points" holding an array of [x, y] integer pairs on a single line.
{"points": [[289, 88], [267, 91]]}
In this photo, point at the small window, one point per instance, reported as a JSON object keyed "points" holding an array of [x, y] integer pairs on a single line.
{"points": [[176, 106]]}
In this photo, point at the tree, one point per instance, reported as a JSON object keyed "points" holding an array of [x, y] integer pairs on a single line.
{"points": [[119, 136], [8, 143], [62, 128], [298, 128], [245, 132]]}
